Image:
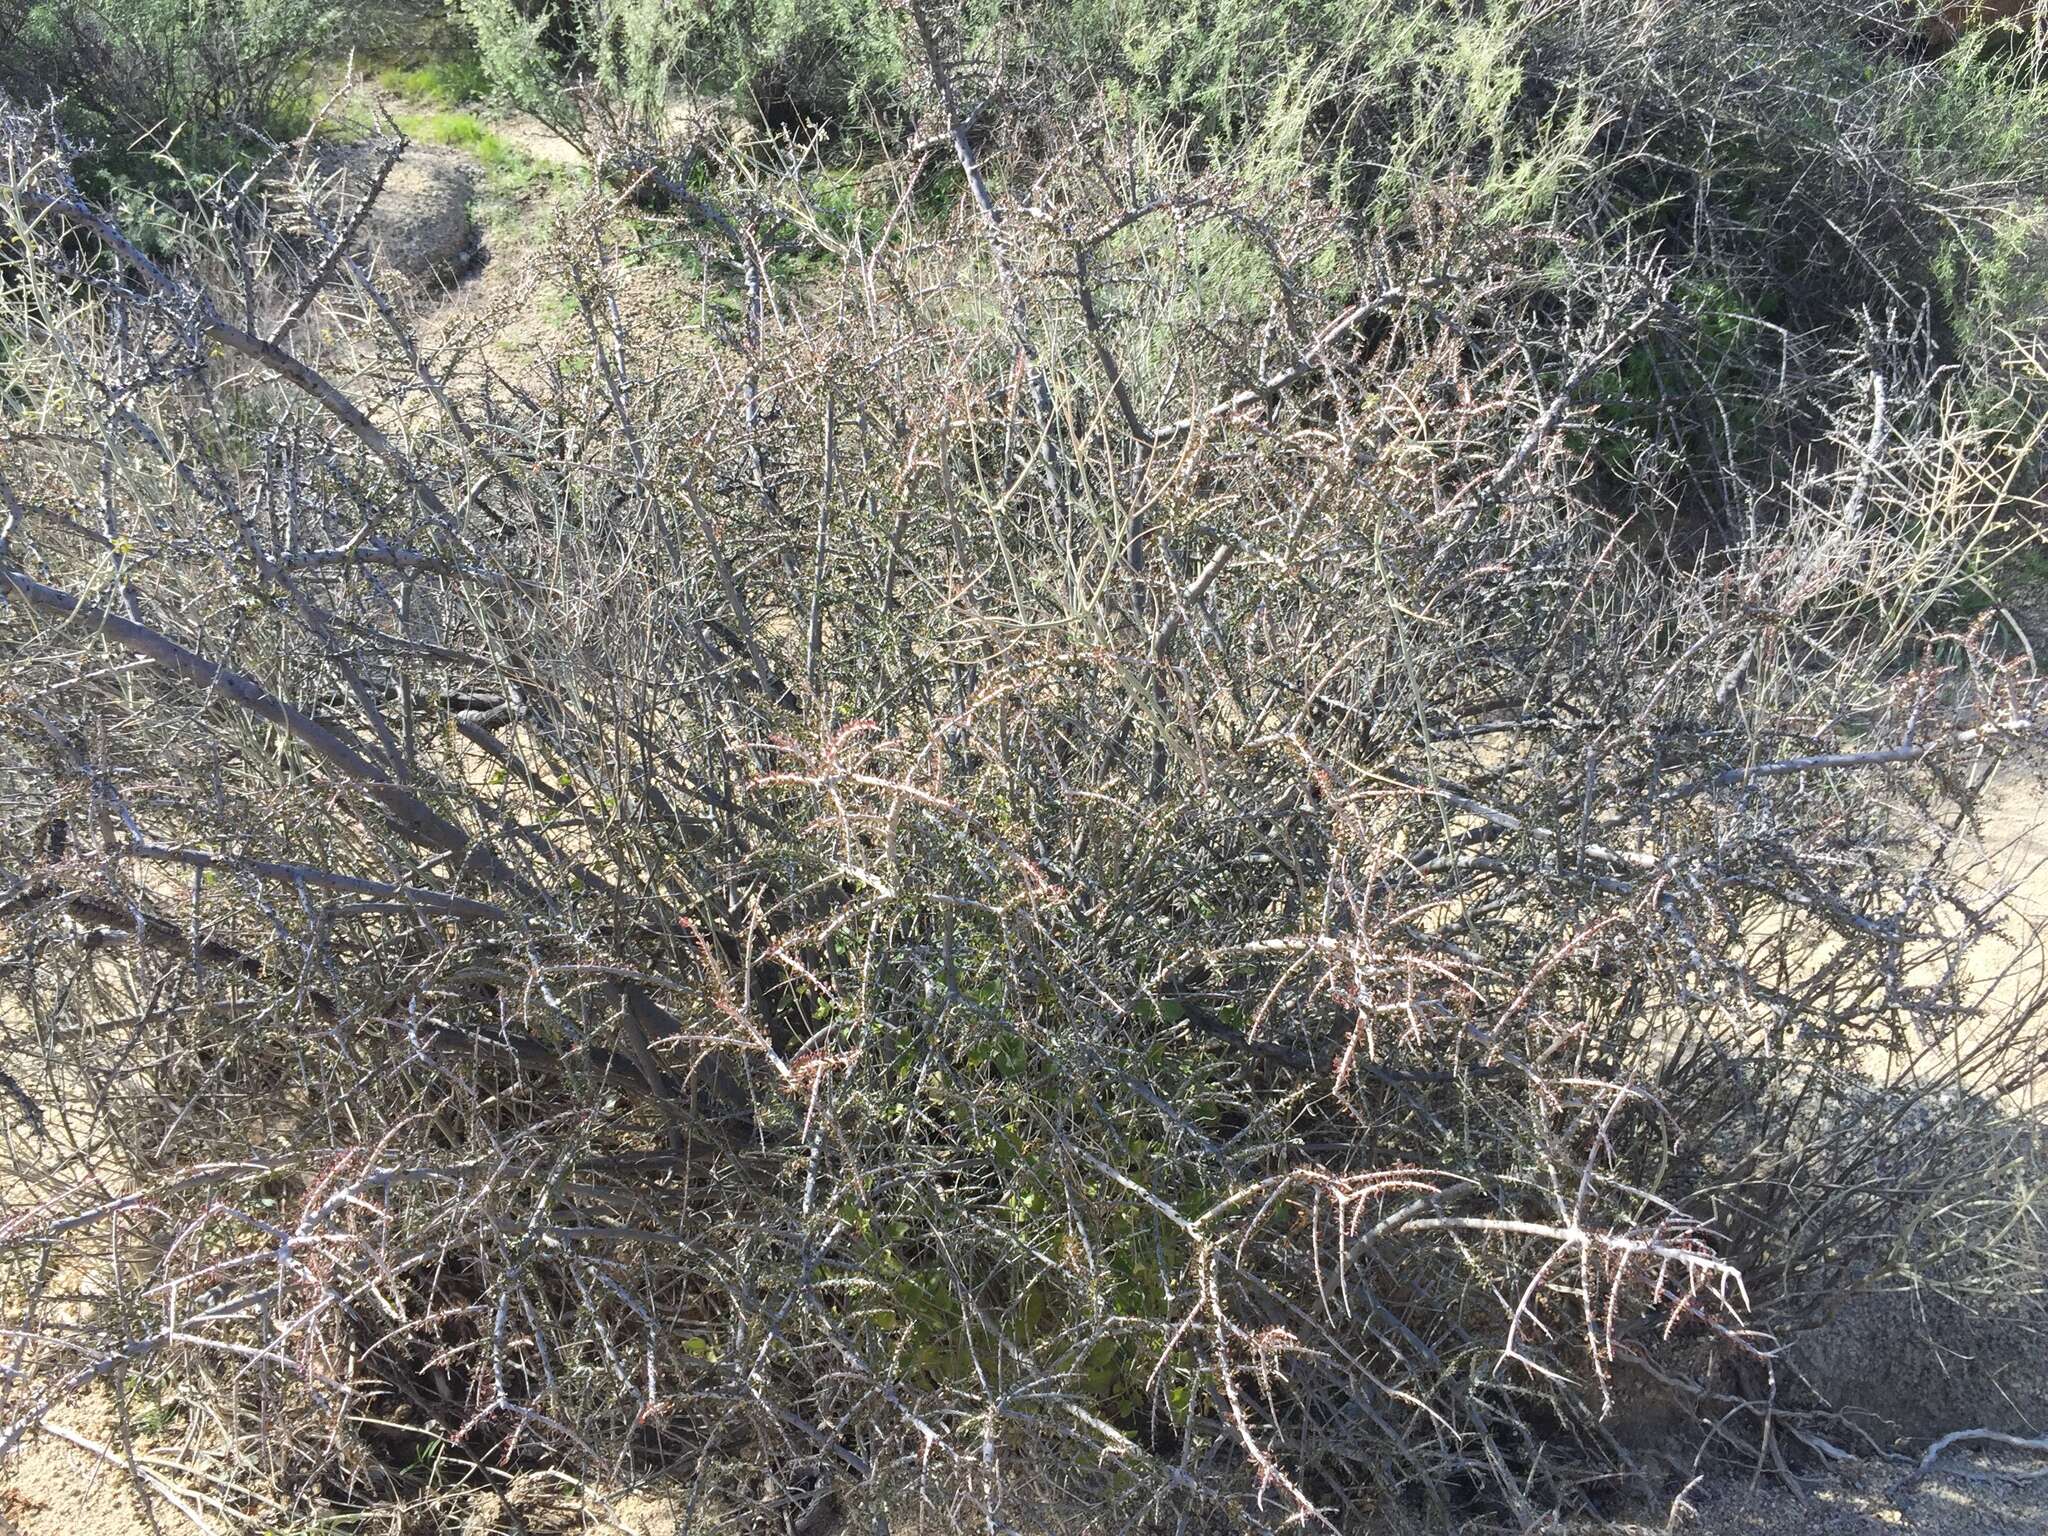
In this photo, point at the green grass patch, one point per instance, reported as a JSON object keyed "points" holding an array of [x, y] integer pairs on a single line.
{"points": [[508, 167], [455, 81]]}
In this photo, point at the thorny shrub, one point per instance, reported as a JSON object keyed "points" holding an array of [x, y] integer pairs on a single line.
{"points": [[1010, 866]]}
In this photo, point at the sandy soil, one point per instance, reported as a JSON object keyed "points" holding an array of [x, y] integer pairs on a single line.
{"points": [[420, 234], [1964, 1496], [59, 1487], [66, 1480]]}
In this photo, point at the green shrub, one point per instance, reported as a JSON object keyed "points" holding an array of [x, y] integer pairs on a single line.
{"points": [[1801, 176], [194, 74], [830, 63], [160, 91]]}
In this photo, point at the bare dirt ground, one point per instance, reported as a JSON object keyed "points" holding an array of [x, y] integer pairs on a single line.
{"points": [[420, 230], [1965, 1496], [70, 1478]]}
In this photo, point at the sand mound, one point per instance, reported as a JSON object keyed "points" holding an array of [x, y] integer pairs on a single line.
{"points": [[420, 231]]}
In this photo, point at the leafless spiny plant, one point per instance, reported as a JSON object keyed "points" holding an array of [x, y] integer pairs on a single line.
{"points": [[1081, 851]]}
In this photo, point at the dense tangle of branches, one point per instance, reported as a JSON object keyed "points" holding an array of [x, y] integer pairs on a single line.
{"points": [[1088, 850]]}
